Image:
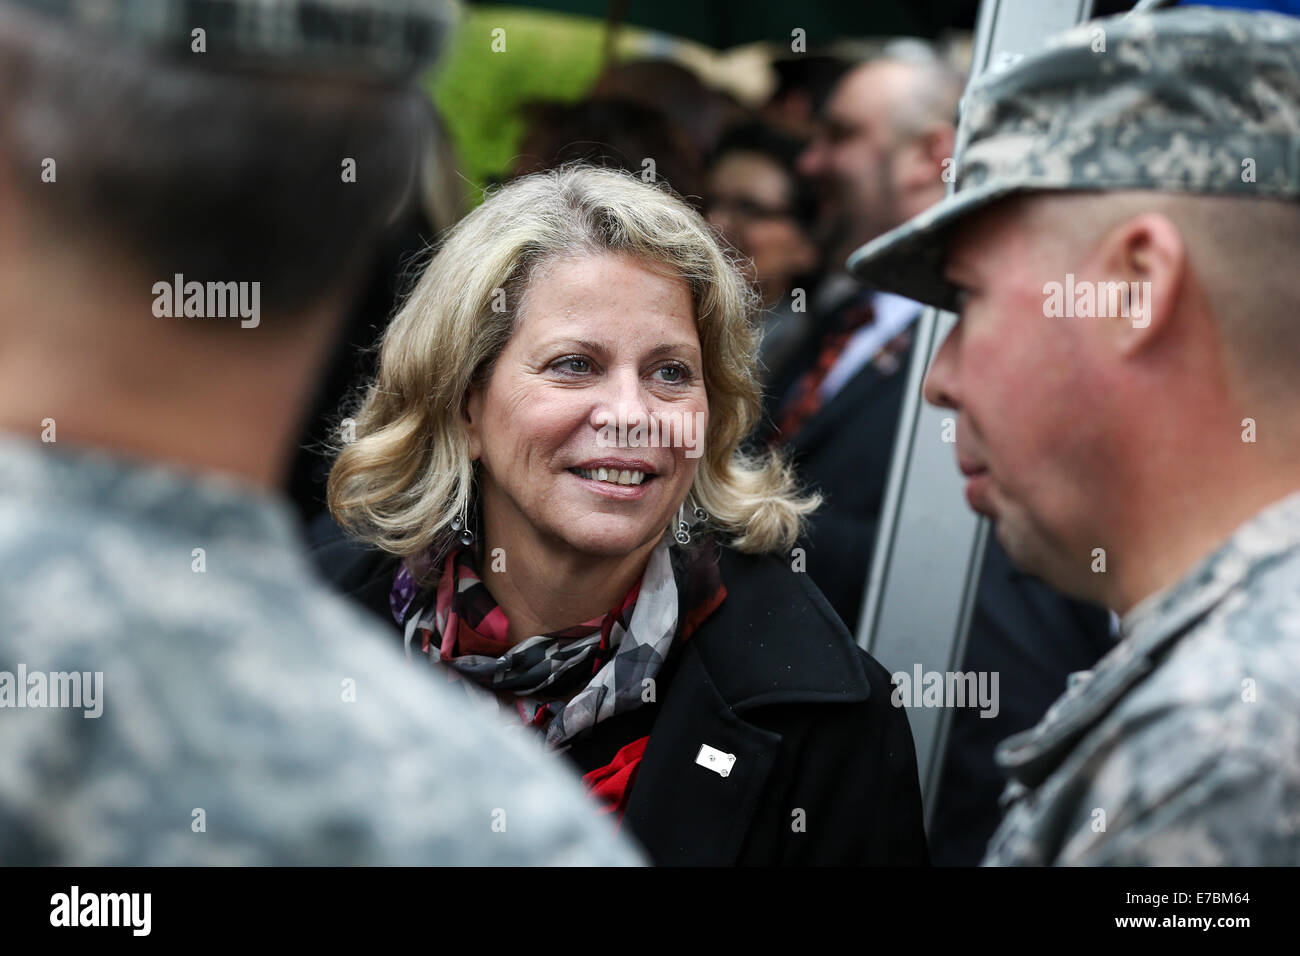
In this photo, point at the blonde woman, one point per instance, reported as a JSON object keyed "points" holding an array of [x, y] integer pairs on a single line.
{"points": [[547, 498]]}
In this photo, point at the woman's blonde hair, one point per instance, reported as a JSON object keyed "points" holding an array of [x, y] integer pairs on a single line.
{"points": [[407, 473]]}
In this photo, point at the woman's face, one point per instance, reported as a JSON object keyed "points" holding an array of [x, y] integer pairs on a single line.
{"points": [[749, 204], [602, 342]]}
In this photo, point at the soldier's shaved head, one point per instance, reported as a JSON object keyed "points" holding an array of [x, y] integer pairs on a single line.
{"points": [[1104, 427], [1240, 254]]}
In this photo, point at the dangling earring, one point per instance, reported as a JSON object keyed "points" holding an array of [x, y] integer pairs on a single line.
{"points": [[683, 533], [458, 523]]}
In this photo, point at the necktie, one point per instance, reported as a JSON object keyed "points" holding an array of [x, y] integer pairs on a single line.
{"points": [[805, 399]]}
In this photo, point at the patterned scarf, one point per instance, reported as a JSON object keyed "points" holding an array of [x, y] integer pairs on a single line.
{"points": [[565, 682]]}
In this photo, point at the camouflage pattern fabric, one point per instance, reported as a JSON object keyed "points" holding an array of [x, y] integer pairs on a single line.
{"points": [[1192, 100], [382, 38], [247, 714], [1182, 746]]}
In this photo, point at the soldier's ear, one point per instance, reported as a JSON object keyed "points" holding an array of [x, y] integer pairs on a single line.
{"points": [[1146, 260]]}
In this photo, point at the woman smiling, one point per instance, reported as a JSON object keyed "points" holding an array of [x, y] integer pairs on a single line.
{"points": [[634, 600]]}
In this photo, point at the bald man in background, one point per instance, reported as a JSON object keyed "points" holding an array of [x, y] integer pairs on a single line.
{"points": [[878, 158]]}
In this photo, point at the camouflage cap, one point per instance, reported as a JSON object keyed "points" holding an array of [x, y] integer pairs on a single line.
{"points": [[1191, 100], [385, 39]]}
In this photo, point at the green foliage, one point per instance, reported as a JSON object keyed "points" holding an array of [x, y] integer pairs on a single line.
{"points": [[479, 91]]}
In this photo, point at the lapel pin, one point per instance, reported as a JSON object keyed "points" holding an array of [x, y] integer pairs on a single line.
{"points": [[715, 760]]}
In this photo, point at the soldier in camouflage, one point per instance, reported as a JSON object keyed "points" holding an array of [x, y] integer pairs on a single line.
{"points": [[1146, 457], [176, 686]]}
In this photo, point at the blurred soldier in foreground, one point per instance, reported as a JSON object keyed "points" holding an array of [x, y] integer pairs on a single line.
{"points": [[1121, 253], [177, 211]]}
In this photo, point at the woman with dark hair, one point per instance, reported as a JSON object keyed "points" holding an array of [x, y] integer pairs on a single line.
{"points": [[756, 199]]}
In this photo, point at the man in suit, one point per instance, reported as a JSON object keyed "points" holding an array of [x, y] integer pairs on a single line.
{"points": [[877, 159], [880, 157]]}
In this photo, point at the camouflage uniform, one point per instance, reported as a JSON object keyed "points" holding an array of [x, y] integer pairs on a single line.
{"points": [[236, 684], [1183, 745], [249, 716]]}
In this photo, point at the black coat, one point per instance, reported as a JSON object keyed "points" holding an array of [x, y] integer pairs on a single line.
{"points": [[825, 770]]}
